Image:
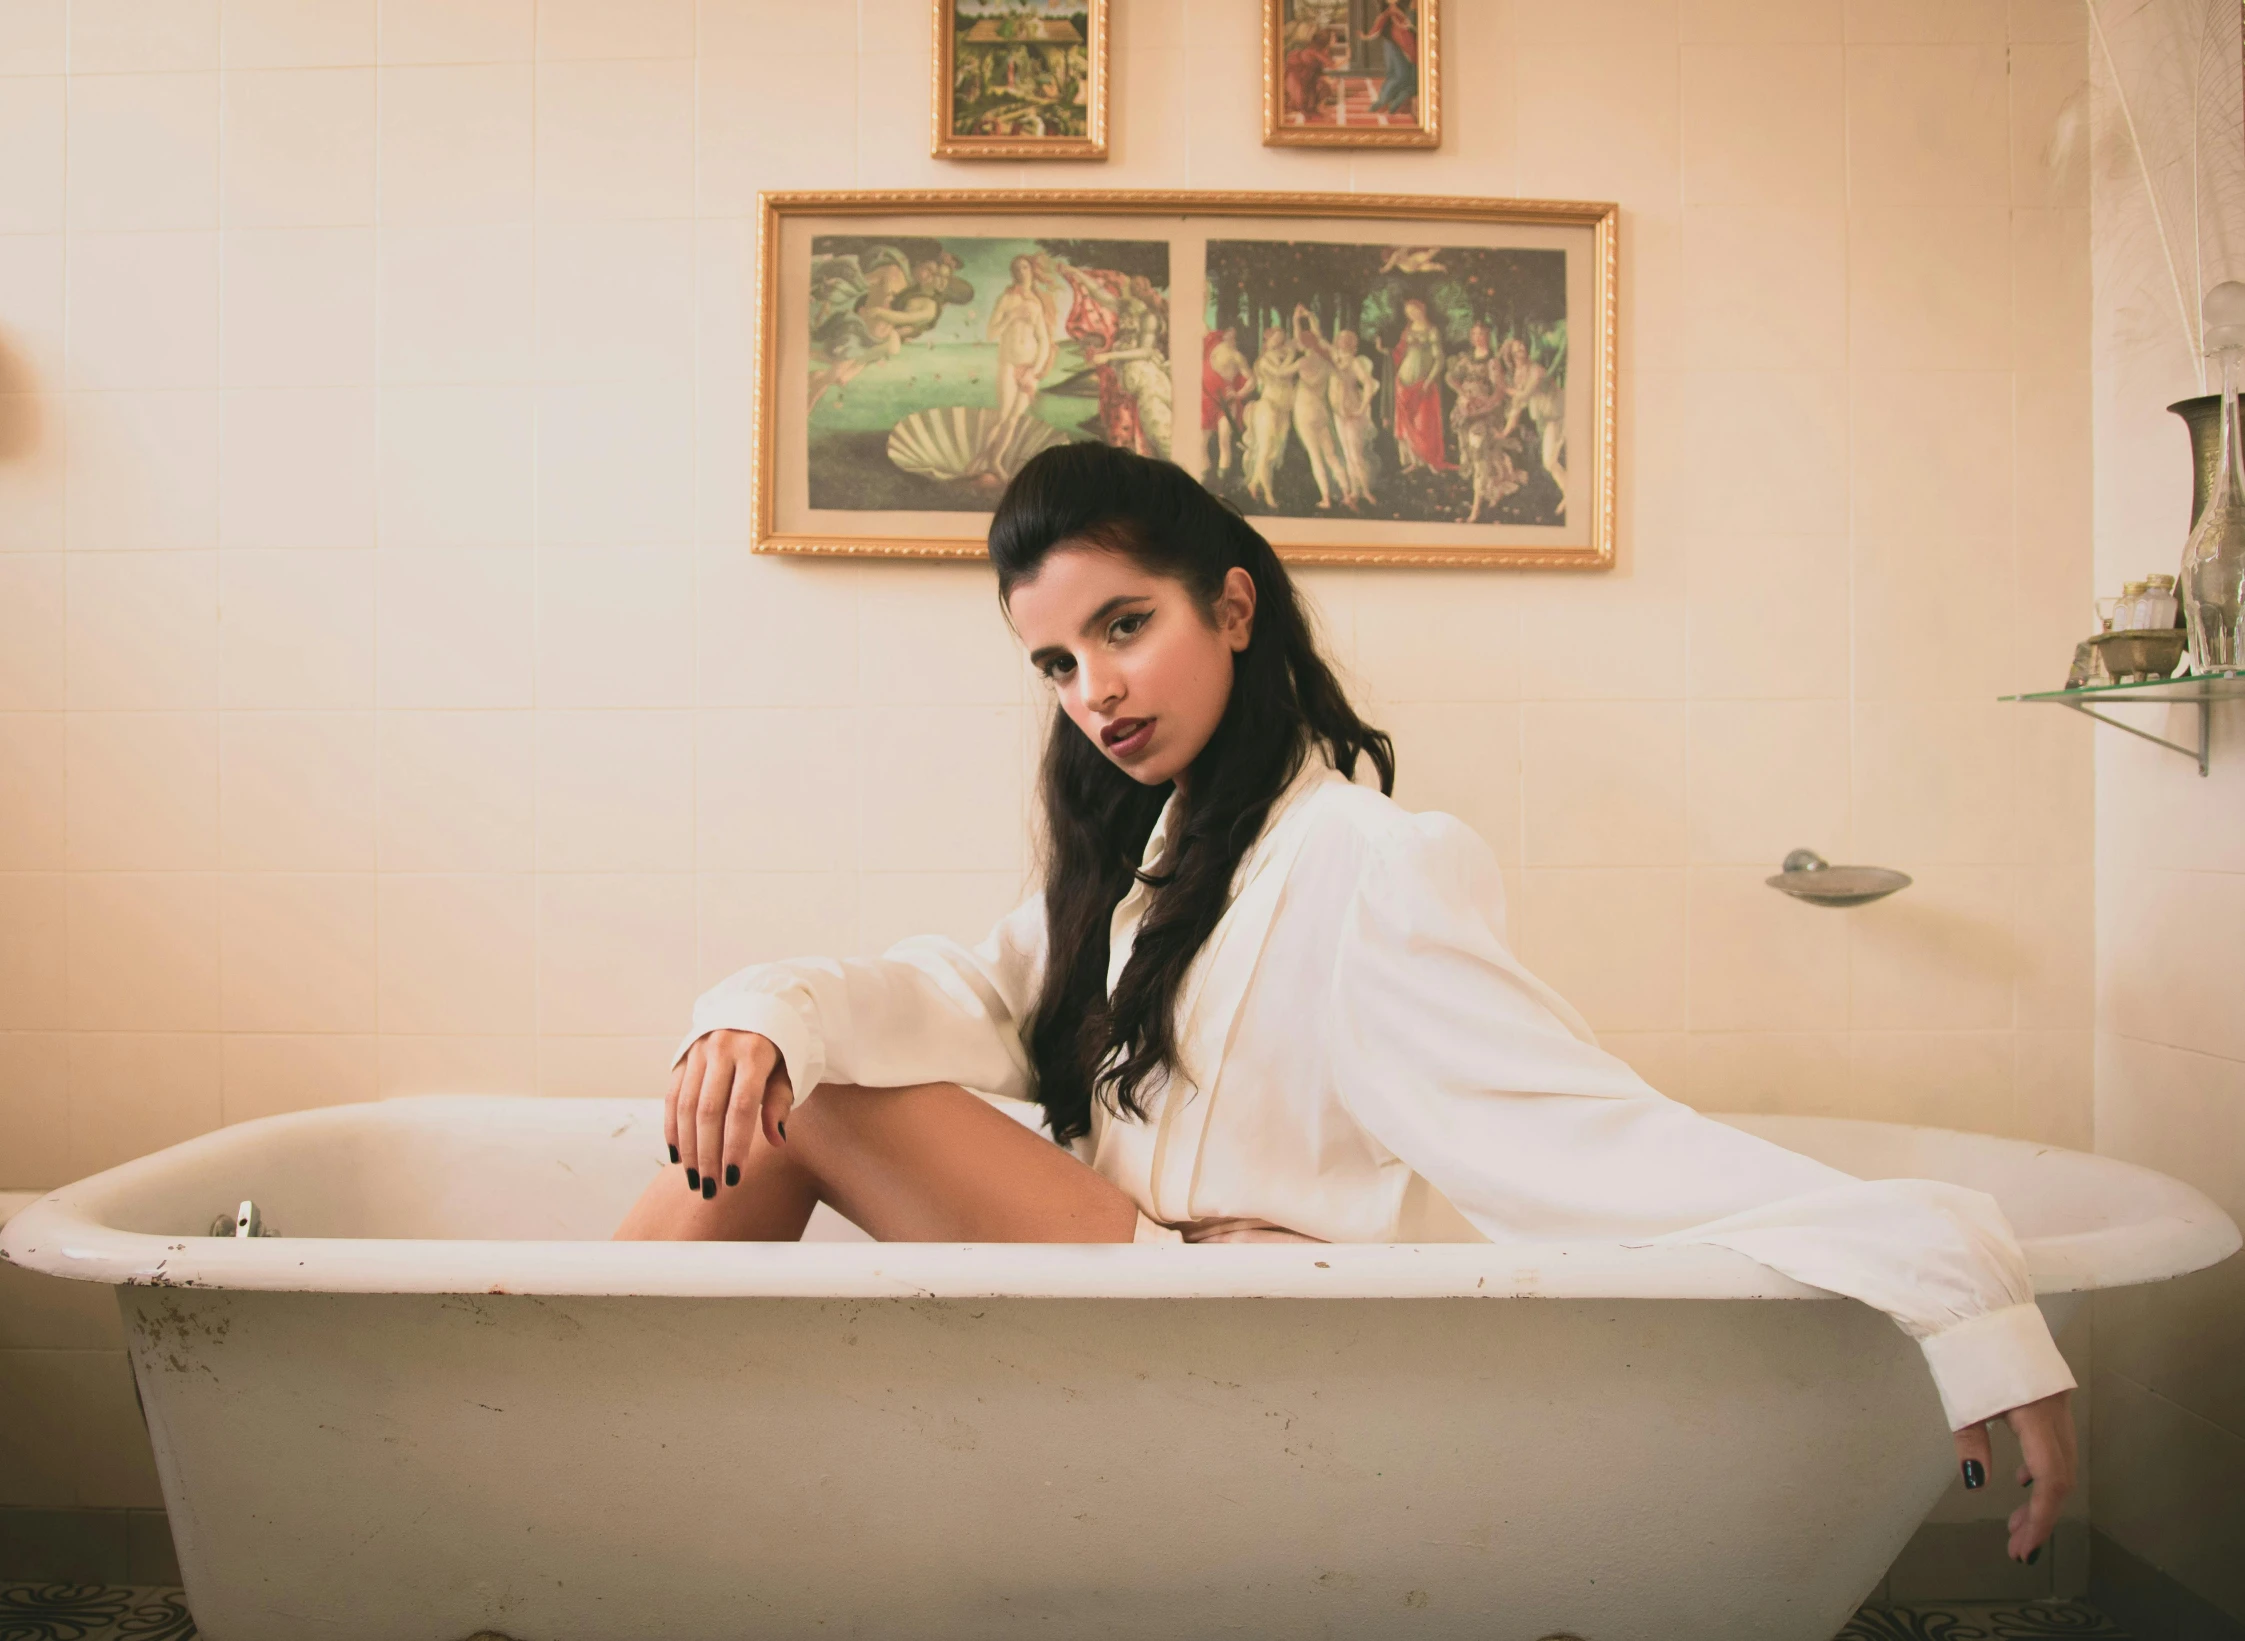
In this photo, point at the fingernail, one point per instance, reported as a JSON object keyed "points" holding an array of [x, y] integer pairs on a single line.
{"points": [[732, 1173], [1975, 1475], [782, 1127], [694, 1183], [674, 1153], [709, 1186], [2033, 1554]]}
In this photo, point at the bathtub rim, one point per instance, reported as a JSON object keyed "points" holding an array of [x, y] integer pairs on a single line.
{"points": [[62, 1234]]}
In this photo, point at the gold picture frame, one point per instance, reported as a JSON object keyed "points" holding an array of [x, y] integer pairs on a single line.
{"points": [[1332, 69], [1068, 73], [880, 313]]}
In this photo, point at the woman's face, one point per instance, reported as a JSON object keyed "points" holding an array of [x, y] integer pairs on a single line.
{"points": [[1135, 661]]}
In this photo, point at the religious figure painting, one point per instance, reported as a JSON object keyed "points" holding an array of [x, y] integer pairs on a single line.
{"points": [[1352, 73], [1020, 79], [1370, 379], [1407, 382], [938, 365]]}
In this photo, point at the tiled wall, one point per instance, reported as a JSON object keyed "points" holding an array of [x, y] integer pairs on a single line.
{"points": [[2169, 1448], [391, 702]]}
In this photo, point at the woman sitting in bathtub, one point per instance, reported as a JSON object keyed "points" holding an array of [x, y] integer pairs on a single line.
{"points": [[1260, 1001]]}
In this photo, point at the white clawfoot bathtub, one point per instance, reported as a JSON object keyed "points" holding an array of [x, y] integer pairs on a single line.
{"points": [[437, 1404]]}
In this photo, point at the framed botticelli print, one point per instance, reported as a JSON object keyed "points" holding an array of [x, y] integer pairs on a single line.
{"points": [[1372, 379], [1020, 80], [1352, 73]]}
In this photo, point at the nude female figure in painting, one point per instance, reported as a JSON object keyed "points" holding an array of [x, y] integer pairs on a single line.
{"points": [[1534, 393], [1313, 411], [1355, 385], [1271, 414], [1021, 324]]}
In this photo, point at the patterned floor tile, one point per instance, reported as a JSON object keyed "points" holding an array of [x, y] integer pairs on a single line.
{"points": [[2005, 1621]]}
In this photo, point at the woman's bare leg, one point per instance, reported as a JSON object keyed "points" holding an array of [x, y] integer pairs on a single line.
{"points": [[930, 1163]]}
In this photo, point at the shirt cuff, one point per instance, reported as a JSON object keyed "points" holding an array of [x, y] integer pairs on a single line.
{"points": [[767, 1016], [1990, 1363]]}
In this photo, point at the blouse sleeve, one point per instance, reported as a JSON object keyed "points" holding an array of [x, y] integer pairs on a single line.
{"points": [[1484, 1081], [929, 1009]]}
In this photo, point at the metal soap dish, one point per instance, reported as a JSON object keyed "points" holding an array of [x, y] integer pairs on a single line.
{"points": [[1808, 876]]}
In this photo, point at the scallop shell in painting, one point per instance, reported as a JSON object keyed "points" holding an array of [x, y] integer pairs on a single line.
{"points": [[959, 442]]}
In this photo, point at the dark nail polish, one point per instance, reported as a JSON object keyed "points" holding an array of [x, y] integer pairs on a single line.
{"points": [[694, 1183], [674, 1153], [782, 1127], [1975, 1475], [732, 1173], [709, 1186], [2033, 1555]]}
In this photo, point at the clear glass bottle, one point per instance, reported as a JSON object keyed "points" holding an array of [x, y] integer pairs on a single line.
{"points": [[2128, 614], [2212, 584], [2157, 610]]}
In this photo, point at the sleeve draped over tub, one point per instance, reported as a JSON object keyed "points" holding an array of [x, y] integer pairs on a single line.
{"points": [[1357, 1037]]}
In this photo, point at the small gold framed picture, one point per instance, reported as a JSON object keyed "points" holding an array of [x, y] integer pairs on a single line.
{"points": [[1020, 80], [1352, 73]]}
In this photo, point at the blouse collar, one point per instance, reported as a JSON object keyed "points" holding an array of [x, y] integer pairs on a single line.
{"points": [[1317, 768]]}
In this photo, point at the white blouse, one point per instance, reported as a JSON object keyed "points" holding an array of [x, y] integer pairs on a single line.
{"points": [[1364, 1060]]}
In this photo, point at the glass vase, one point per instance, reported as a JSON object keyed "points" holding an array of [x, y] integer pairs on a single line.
{"points": [[2213, 580]]}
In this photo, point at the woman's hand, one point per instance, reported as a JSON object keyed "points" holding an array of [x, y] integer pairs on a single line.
{"points": [[729, 1084], [2046, 1450]]}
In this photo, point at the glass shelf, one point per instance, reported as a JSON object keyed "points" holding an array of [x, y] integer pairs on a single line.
{"points": [[2201, 690]]}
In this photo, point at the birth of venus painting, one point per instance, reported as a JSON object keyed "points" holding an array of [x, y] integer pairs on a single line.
{"points": [[939, 365], [1413, 382], [1355, 73], [1020, 69]]}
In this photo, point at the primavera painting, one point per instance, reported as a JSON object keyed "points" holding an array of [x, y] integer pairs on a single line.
{"points": [[938, 365], [1408, 382]]}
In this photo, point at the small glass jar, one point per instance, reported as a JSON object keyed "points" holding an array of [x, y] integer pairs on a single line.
{"points": [[2127, 615], [2157, 606]]}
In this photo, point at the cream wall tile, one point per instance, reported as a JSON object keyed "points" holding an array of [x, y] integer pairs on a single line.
{"points": [[891, 127], [33, 474], [132, 1093], [605, 1068], [1603, 782], [615, 791], [455, 1065], [1599, 121], [1933, 783], [616, 952], [91, 1451], [143, 469], [616, 463], [297, 628], [1763, 125], [1462, 758], [2173, 1109], [2056, 785], [298, 467], [934, 634], [963, 905], [749, 28], [2053, 1096], [1588, 640], [775, 631], [1764, 287], [143, 951], [265, 1075], [455, 628], [129, 36], [1932, 451], [724, 320], [1727, 22], [1463, 644], [1768, 616], [1656, 1056], [2184, 916], [143, 791], [2048, 21], [296, 307], [724, 427], [143, 151], [458, 957], [143, 630], [1594, 21], [32, 295], [297, 951], [1929, 287], [749, 113], [299, 147], [779, 790], [615, 300], [296, 33], [456, 143], [2180, 1339], [1939, 1079], [760, 917], [2050, 295], [1795, 422], [2049, 126], [1926, 20], [1797, 1071], [457, 31], [1611, 942], [1940, 956], [34, 1110], [1766, 778], [1928, 617], [35, 37], [32, 174], [457, 792], [948, 801], [36, 926], [143, 311], [33, 674], [1652, 291], [616, 28], [31, 773], [296, 791], [2170, 1482], [616, 139], [456, 465], [453, 307], [1761, 961], [615, 627], [1927, 125], [2054, 915]]}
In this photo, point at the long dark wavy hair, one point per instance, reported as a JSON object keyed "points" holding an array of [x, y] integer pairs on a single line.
{"points": [[1084, 1044]]}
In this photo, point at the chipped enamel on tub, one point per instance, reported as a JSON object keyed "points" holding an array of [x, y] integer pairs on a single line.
{"points": [[439, 1402]]}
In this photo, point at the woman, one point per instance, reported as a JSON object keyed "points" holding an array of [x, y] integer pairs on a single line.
{"points": [[1257, 1000], [1355, 385], [1418, 392], [1400, 90]]}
